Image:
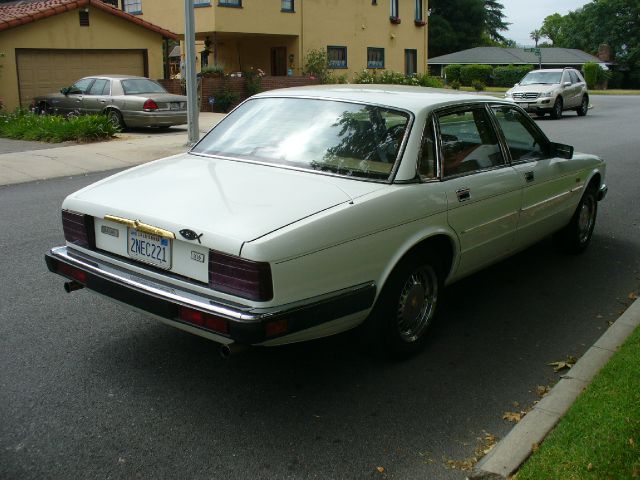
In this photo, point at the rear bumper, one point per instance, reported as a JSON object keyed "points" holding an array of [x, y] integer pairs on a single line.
{"points": [[245, 325], [154, 119]]}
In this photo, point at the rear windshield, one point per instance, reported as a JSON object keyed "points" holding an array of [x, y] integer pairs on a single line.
{"points": [[135, 86], [541, 77], [348, 139]]}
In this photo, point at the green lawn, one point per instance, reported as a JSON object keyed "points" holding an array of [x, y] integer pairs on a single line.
{"points": [[599, 438]]}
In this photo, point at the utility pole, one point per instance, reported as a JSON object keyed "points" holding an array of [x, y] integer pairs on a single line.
{"points": [[193, 109]]}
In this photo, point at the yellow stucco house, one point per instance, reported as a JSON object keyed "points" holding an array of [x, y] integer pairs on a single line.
{"points": [[48, 44], [276, 35]]}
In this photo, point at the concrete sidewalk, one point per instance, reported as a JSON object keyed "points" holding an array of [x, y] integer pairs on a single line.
{"points": [[128, 149]]}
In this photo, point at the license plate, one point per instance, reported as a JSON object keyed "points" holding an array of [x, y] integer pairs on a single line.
{"points": [[148, 248], [524, 105], [175, 106]]}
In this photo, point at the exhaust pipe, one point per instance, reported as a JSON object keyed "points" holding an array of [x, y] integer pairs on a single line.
{"points": [[72, 286], [229, 349]]}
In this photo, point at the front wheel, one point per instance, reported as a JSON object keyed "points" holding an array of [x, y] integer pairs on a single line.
{"points": [[575, 237], [406, 307], [584, 106]]}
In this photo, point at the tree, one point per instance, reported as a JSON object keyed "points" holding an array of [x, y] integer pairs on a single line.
{"points": [[494, 21], [535, 35], [552, 27], [455, 25]]}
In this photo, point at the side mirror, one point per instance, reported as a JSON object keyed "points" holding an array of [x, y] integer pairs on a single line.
{"points": [[561, 150], [516, 84], [64, 91], [566, 84]]}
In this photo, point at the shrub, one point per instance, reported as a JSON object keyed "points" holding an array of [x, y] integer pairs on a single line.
{"points": [[595, 75], [455, 85], [478, 86], [341, 79], [509, 76], [212, 71], [253, 81], [470, 73], [24, 125], [392, 78], [317, 65], [366, 76], [452, 73], [225, 99], [426, 80]]}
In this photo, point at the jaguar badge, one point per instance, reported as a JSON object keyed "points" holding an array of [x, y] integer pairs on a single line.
{"points": [[191, 235]]}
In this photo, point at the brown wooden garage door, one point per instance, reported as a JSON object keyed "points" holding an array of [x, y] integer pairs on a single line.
{"points": [[45, 71]]}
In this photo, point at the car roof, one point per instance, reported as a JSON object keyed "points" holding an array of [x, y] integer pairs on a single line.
{"points": [[117, 77], [414, 99]]}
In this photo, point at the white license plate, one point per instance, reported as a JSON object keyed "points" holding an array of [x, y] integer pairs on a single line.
{"points": [[175, 106], [524, 105], [148, 248]]}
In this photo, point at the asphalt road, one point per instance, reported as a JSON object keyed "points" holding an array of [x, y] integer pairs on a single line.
{"points": [[89, 389]]}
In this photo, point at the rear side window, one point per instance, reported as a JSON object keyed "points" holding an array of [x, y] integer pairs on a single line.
{"points": [[469, 142], [99, 86], [525, 142]]}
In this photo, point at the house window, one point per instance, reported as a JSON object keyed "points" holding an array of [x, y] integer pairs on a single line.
{"points": [[113, 3], [133, 6], [375, 57], [395, 13], [419, 10], [201, 3], [374, 2], [230, 3], [337, 57], [287, 6], [84, 17], [410, 62]]}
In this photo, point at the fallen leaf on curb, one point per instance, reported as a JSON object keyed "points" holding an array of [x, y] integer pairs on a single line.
{"points": [[380, 469], [515, 404], [535, 447], [542, 390], [484, 446], [590, 467], [512, 416], [633, 296], [561, 365]]}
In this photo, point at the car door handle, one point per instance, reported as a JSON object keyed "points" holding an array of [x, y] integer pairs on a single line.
{"points": [[102, 100], [463, 194], [529, 176]]}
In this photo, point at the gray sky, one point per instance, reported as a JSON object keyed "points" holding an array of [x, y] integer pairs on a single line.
{"points": [[527, 15]]}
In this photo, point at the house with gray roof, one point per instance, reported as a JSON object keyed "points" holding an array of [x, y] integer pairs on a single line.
{"points": [[551, 57]]}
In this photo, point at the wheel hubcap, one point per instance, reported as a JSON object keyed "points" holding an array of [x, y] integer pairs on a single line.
{"points": [[586, 219], [417, 303]]}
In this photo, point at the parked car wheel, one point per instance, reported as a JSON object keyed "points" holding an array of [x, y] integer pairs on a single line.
{"points": [[584, 106], [575, 237], [556, 113], [116, 118], [43, 108], [406, 307]]}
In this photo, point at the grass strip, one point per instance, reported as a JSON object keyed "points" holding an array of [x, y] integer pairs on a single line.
{"points": [[600, 435], [23, 125]]}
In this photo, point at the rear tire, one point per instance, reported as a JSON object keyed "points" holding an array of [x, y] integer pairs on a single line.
{"points": [[556, 112], [398, 324], [575, 237], [584, 107], [115, 117], [43, 108]]}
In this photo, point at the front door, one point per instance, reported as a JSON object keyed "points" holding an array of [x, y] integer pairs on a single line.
{"points": [[278, 61], [71, 103], [483, 190]]}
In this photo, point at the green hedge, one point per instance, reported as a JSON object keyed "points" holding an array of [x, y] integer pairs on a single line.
{"points": [[473, 73], [509, 76], [594, 75], [452, 73]]}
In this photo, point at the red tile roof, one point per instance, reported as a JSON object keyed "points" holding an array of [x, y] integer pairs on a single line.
{"points": [[20, 12]]}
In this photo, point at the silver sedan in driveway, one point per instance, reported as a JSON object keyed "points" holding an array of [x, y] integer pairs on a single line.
{"points": [[128, 101]]}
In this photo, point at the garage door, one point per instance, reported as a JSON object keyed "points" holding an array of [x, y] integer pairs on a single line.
{"points": [[46, 71]]}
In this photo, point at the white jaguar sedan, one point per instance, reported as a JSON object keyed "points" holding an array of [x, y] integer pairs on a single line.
{"points": [[310, 211]]}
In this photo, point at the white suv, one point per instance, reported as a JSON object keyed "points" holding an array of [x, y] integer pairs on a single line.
{"points": [[551, 91]]}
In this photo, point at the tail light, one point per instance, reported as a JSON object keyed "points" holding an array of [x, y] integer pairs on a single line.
{"points": [[71, 272], [202, 319], [240, 277], [150, 106], [78, 229]]}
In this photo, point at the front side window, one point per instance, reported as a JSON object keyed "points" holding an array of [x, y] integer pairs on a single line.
{"points": [[337, 57], [469, 142], [133, 6], [136, 86], [287, 6], [81, 86], [347, 139], [375, 57], [526, 143]]}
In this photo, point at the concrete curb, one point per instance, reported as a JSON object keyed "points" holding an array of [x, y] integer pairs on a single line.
{"points": [[507, 456]]}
